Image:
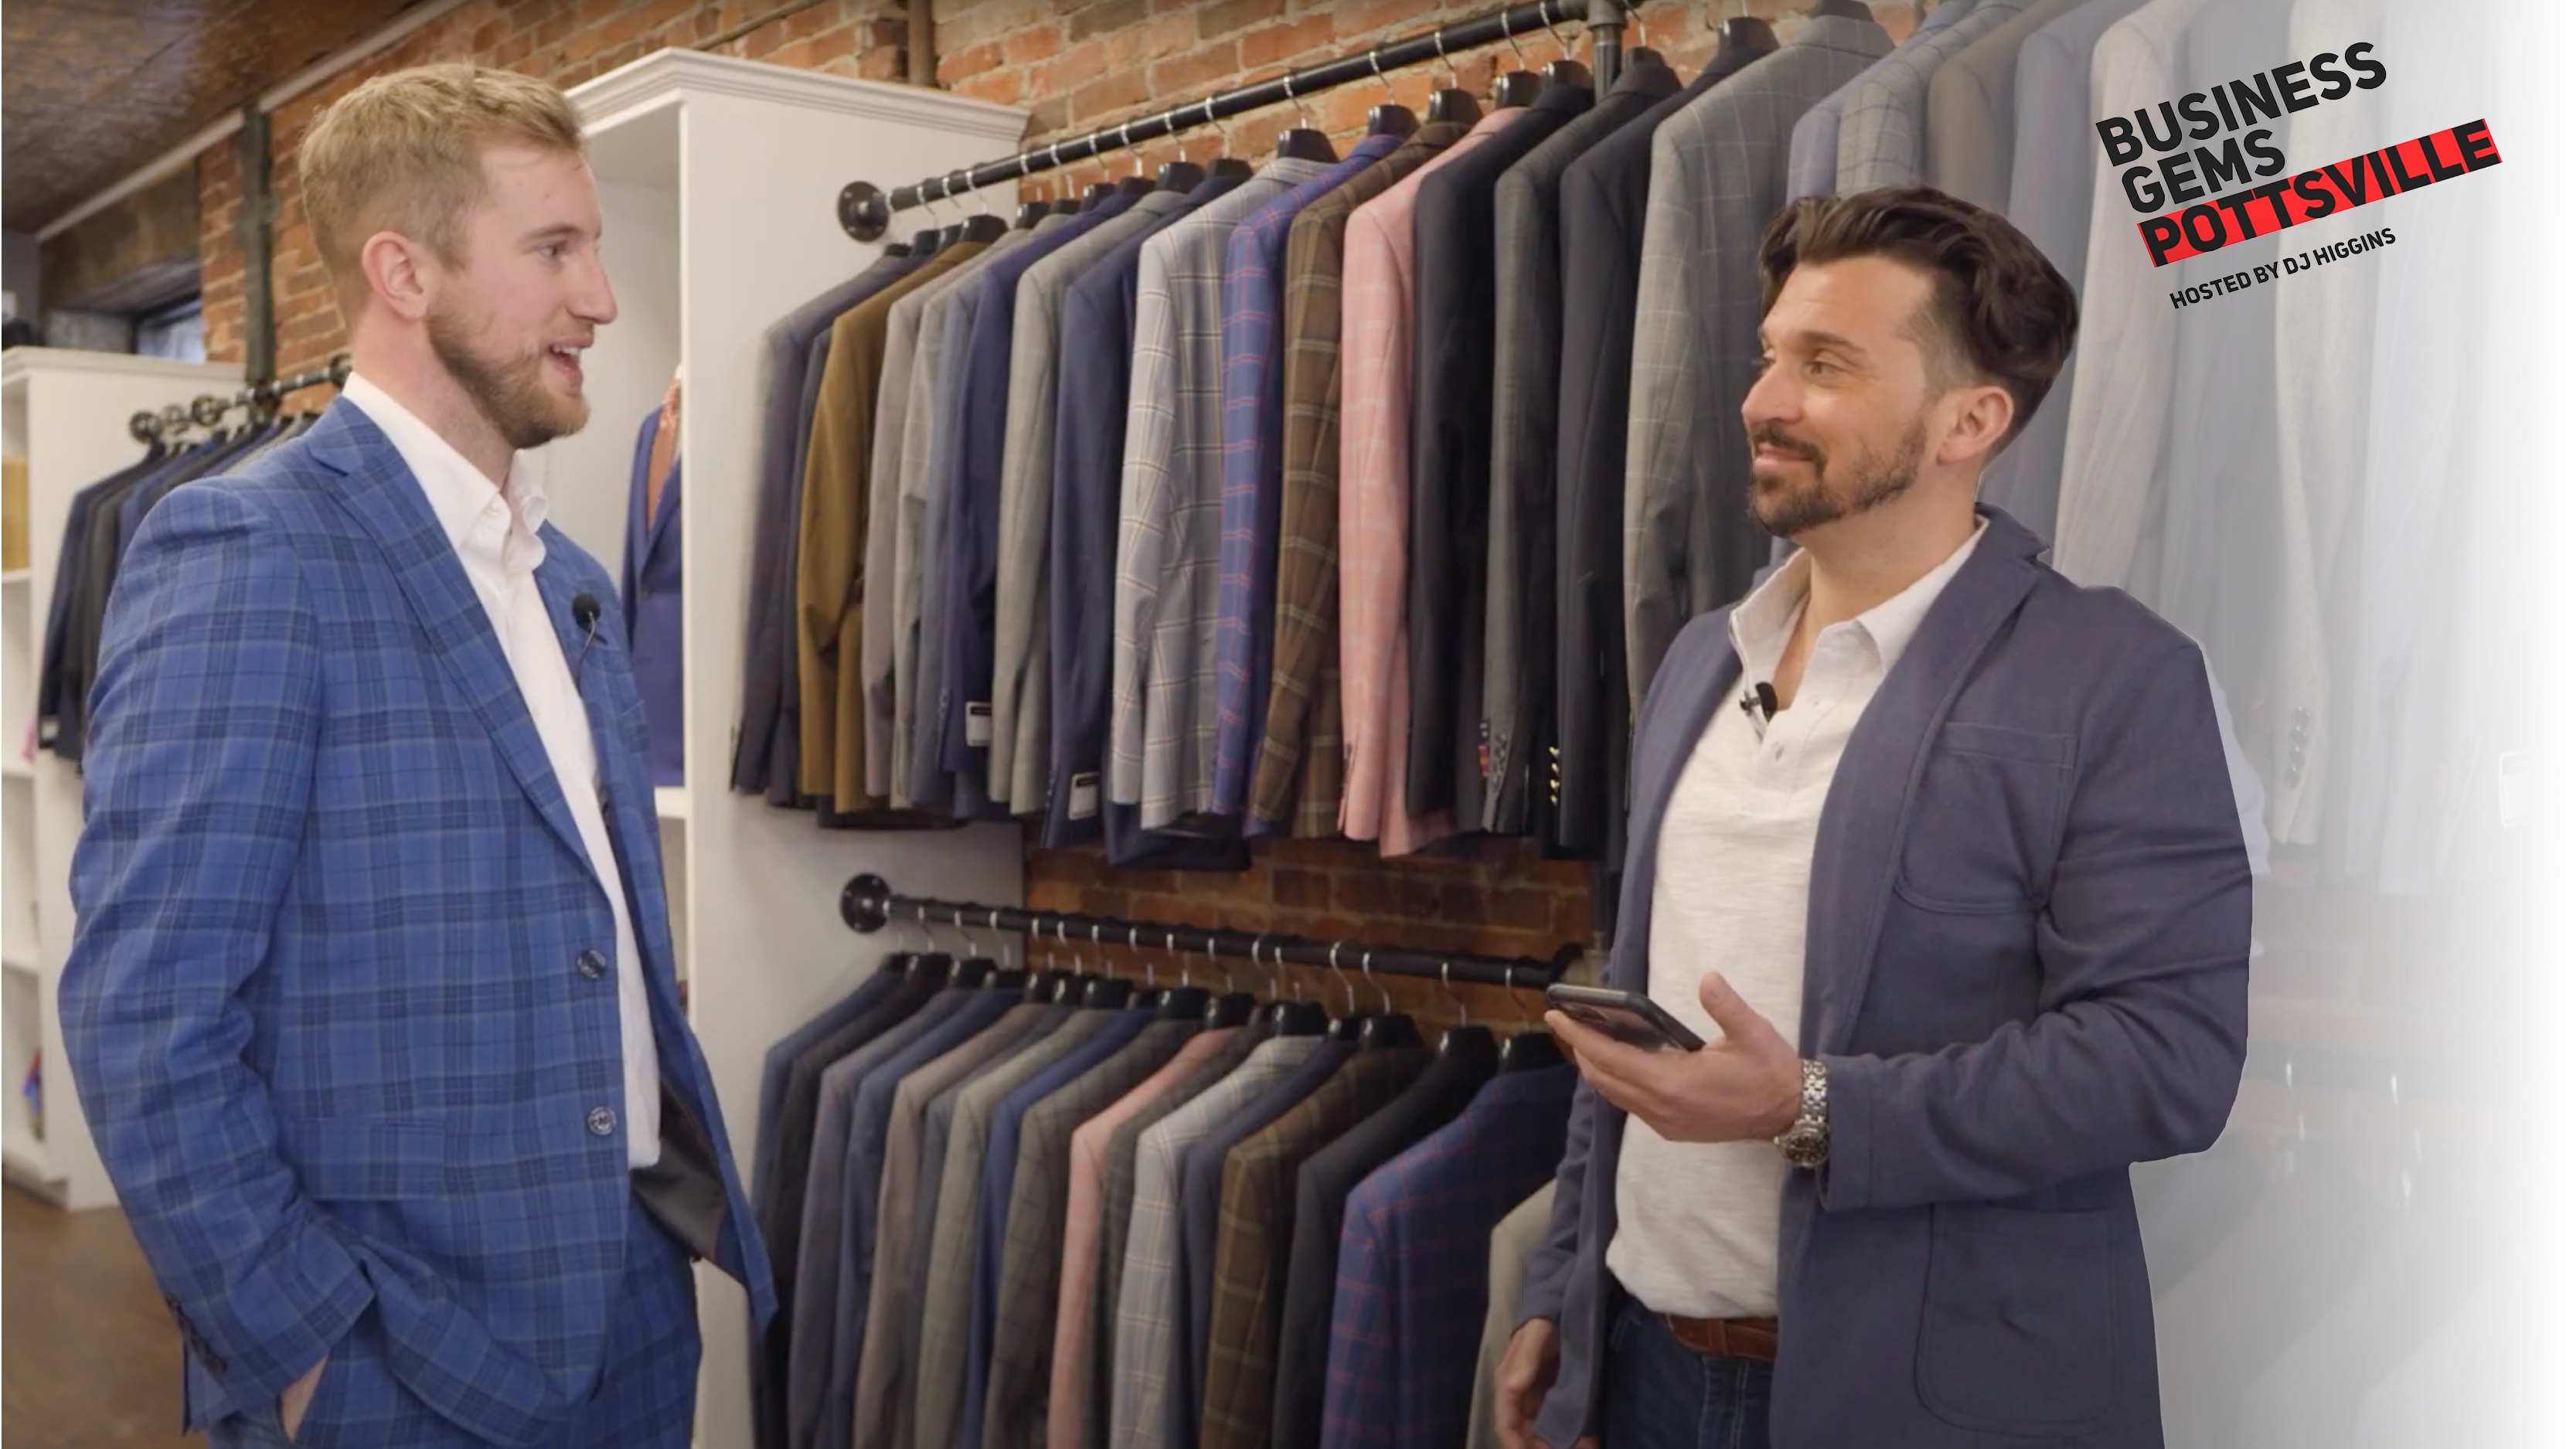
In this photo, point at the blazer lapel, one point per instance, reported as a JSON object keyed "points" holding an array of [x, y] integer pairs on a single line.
{"points": [[1677, 728], [624, 796], [385, 499], [1862, 829]]}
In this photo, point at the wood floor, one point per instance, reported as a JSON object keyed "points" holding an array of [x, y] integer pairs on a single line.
{"points": [[88, 1355]]}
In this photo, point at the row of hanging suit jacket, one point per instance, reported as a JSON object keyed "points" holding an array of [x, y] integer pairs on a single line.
{"points": [[97, 529], [1363, 497], [1000, 1217]]}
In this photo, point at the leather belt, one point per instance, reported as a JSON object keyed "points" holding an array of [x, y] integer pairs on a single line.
{"points": [[1754, 1339]]}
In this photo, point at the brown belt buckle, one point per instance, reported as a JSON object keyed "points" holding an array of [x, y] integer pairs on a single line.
{"points": [[1756, 1340]]}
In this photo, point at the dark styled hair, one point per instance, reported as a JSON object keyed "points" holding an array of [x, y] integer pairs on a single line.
{"points": [[1998, 311]]}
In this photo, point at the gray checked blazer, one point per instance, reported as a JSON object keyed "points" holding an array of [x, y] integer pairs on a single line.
{"points": [[1882, 138], [1720, 172]]}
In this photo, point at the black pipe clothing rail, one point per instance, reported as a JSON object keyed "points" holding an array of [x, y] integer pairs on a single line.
{"points": [[869, 904], [207, 409], [866, 211]]}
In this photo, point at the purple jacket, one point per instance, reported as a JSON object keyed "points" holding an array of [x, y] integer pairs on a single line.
{"points": [[2026, 970]]}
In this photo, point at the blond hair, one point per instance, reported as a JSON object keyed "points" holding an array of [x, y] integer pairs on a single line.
{"points": [[404, 153]]}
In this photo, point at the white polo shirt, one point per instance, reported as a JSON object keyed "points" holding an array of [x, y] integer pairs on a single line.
{"points": [[1699, 1223], [494, 531]]}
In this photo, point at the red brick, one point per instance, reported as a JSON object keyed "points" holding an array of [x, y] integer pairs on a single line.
{"points": [[1184, 77], [1272, 44], [1036, 43], [1224, 17]]}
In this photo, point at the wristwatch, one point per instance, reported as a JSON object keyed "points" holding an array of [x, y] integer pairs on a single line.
{"points": [[1805, 1142]]}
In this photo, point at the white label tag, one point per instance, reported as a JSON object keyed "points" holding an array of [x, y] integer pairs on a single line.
{"points": [[979, 726], [2517, 788], [1084, 802]]}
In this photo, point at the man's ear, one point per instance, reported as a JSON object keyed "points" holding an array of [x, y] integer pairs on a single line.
{"points": [[398, 274], [1979, 417]]}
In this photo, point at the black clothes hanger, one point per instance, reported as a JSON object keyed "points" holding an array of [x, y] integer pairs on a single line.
{"points": [[1532, 1049], [1133, 186], [1746, 33], [1067, 206], [1517, 88], [985, 227], [1098, 192], [1043, 985], [1387, 118], [1108, 991], [1390, 1029], [1561, 73], [1847, 9], [1302, 142], [1031, 213], [1452, 104], [1231, 166], [1183, 176]]}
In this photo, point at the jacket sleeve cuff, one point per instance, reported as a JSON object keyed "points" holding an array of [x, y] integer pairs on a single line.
{"points": [[280, 1319], [1851, 1096]]}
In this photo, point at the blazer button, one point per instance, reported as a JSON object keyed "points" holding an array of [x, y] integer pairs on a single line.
{"points": [[593, 965], [602, 1121]]}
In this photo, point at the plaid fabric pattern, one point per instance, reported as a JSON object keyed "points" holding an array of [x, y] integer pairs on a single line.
{"points": [[1816, 140], [1034, 1239], [1720, 173], [301, 698], [1409, 1291], [1248, 516], [1022, 725], [1070, 1372], [1255, 1214], [883, 1365], [1376, 508], [939, 1398], [1880, 142], [1162, 737], [1153, 1298], [1299, 776]]}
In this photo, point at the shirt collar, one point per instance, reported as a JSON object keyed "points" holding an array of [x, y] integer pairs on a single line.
{"points": [[487, 526], [1760, 626]]}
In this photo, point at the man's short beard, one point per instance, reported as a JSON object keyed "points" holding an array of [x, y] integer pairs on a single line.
{"points": [[1803, 505], [511, 396]]}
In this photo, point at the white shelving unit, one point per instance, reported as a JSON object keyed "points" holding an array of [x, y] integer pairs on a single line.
{"points": [[65, 413], [718, 179]]}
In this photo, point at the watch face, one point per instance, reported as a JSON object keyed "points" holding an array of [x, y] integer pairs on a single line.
{"points": [[1804, 1147]]}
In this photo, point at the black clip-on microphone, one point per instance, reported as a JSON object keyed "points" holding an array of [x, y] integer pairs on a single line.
{"points": [[1761, 696], [585, 617]]}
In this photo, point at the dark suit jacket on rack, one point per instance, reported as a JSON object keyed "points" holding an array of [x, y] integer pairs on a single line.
{"points": [[1453, 439], [1602, 207], [1520, 560], [2028, 931], [648, 586]]}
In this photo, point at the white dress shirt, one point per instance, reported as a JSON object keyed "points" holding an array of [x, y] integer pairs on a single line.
{"points": [[1699, 1223], [494, 531]]}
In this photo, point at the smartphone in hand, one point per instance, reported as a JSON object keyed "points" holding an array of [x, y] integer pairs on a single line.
{"points": [[1627, 1016]]}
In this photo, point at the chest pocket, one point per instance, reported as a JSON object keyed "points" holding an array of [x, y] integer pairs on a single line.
{"points": [[1987, 815]]}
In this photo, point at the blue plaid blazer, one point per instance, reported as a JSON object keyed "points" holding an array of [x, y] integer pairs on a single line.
{"points": [[332, 1007]]}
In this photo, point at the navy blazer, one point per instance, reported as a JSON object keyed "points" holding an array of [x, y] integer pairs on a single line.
{"points": [[2027, 937], [648, 587]]}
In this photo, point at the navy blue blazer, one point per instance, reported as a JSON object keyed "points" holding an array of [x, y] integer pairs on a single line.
{"points": [[2027, 937], [648, 586], [333, 1005]]}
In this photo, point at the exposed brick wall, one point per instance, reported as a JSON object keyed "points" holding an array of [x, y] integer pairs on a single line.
{"points": [[1076, 66]]}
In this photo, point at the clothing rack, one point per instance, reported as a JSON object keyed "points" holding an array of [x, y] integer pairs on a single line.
{"points": [[208, 409], [866, 211], [869, 904]]}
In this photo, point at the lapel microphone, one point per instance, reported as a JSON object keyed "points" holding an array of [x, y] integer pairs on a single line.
{"points": [[585, 617], [1761, 696]]}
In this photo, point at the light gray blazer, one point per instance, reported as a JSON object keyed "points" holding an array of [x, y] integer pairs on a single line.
{"points": [[1881, 142], [2053, 155], [1968, 112], [2028, 928], [1718, 176]]}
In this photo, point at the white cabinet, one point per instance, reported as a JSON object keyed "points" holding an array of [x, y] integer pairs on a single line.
{"points": [[718, 179], [66, 414]]}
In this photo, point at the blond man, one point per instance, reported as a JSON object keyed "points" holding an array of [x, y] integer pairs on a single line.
{"points": [[372, 1005]]}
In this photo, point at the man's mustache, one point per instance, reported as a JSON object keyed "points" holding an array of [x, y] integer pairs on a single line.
{"points": [[1772, 435]]}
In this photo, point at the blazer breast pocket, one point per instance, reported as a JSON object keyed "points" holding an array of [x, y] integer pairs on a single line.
{"points": [[1988, 811]]}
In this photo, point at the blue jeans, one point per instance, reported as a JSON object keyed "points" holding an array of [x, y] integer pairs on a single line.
{"points": [[1660, 1395]]}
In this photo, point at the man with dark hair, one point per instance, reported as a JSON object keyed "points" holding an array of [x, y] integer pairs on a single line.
{"points": [[1963, 833]]}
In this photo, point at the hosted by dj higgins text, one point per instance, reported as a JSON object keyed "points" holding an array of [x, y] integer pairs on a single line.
{"points": [[2289, 266]]}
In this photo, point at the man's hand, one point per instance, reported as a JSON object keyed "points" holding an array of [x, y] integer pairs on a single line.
{"points": [[1528, 1371], [298, 1397], [1741, 1087]]}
